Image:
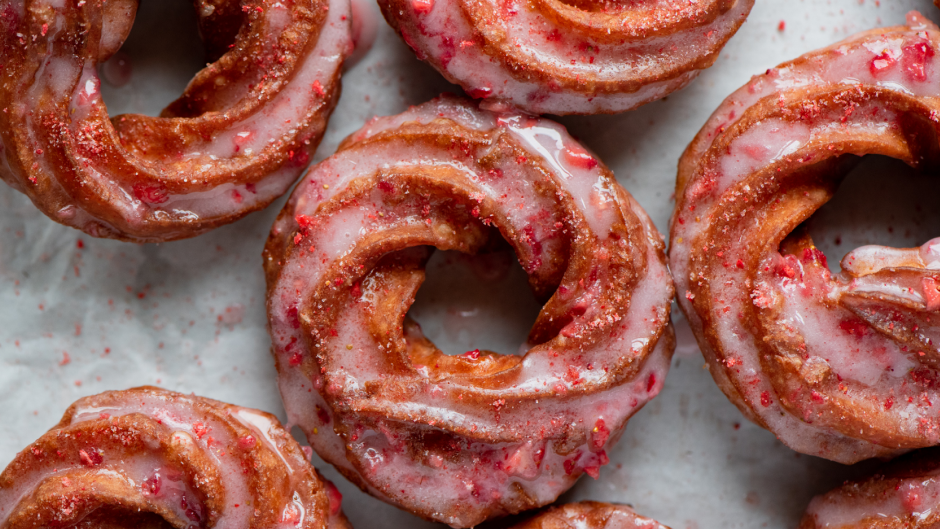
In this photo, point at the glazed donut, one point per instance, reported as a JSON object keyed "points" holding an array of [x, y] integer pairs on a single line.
{"points": [[905, 495], [589, 515], [148, 457], [237, 138], [461, 439], [842, 366], [568, 56]]}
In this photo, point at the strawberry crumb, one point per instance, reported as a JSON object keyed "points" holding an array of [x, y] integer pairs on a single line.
{"points": [[90, 457], [765, 399]]}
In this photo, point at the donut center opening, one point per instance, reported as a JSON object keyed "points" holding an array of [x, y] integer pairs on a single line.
{"points": [[107, 517], [476, 302], [883, 202], [614, 6], [154, 65], [641, 8]]}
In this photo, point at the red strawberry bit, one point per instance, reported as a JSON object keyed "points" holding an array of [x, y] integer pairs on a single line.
{"points": [[573, 375], [294, 317], [295, 360], [570, 464], [422, 6], [595, 470], [765, 399], [191, 508], [151, 486], [600, 434], [912, 497], [299, 159], [814, 254], [304, 221], [931, 293], [335, 497], [246, 442], [471, 355], [580, 158], [90, 457], [788, 267], [528, 233], [880, 64], [200, 430], [480, 93], [915, 59], [151, 193], [323, 416], [858, 328], [242, 137]]}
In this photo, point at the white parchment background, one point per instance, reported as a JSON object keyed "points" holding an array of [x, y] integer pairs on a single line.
{"points": [[80, 318]]}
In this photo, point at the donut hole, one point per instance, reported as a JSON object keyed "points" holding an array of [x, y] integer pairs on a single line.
{"points": [[882, 201], [470, 302], [618, 6], [154, 65], [109, 517]]}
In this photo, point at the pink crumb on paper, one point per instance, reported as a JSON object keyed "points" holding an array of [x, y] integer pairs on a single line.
{"points": [[233, 315]]}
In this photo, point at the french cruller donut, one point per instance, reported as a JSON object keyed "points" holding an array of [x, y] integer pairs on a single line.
{"points": [[838, 365], [568, 56], [589, 515], [152, 458], [237, 138], [460, 439]]}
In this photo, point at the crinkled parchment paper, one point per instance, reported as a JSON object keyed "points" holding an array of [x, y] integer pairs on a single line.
{"points": [[79, 315]]}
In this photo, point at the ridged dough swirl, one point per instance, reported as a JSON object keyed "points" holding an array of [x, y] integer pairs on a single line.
{"points": [[460, 439], [905, 494], [152, 458], [589, 515], [842, 366], [568, 56], [237, 138]]}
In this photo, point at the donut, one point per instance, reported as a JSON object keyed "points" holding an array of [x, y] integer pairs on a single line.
{"points": [[903, 495], [147, 457], [567, 56], [589, 515], [460, 439], [237, 138], [837, 365]]}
